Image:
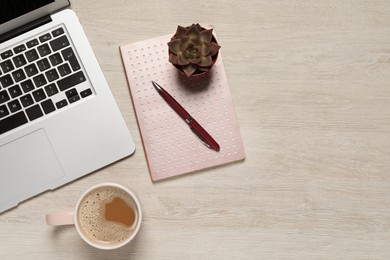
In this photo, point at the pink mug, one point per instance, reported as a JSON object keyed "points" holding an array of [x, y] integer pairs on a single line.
{"points": [[107, 216]]}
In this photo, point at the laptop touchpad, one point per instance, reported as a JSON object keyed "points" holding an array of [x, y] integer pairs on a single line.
{"points": [[27, 166]]}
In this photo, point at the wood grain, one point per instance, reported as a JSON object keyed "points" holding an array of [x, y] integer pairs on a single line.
{"points": [[310, 83]]}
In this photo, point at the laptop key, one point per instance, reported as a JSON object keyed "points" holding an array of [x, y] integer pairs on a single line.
{"points": [[31, 70], [43, 64], [18, 75], [15, 91], [59, 43], [55, 59], [44, 50], [14, 106], [86, 93], [19, 60], [7, 66], [57, 32], [51, 90], [69, 55], [48, 106], [72, 95], [27, 100], [45, 37], [61, 103], [74, 64], [31, 55], [64, 69], [6, 54], [52, 75], [12, 122], [6, 81], [71, 81], [27, 86], [32, 43], [34, 112], [3, 111], [19, 49], [39, 95], [4, 97], [39, 80]]}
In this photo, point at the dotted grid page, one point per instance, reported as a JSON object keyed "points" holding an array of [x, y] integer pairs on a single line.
{"points": [[171, 147]]}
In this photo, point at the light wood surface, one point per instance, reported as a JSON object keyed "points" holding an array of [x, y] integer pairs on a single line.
{"points": [[311, 85]]}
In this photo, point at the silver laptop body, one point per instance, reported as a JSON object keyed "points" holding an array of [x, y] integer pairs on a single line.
{"points": [[58, 118]]}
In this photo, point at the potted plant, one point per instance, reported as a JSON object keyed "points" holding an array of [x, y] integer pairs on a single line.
{"points": [[193, 50]]}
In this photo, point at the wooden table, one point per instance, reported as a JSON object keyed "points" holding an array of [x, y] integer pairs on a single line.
{"points": [[311, 85]]}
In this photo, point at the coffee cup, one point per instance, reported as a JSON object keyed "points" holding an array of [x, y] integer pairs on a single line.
{"points": [[106, 216]]}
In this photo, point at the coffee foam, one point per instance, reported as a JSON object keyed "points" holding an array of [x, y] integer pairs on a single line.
{"points": [[92, 220]]}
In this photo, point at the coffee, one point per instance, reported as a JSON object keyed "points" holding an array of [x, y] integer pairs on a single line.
{"points": [[106, 215]]}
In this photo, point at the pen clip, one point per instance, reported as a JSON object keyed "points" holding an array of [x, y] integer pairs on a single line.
{"points": [[200, 137]]}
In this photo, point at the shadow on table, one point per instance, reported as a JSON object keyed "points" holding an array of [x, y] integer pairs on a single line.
{"points": [[65, 241]]}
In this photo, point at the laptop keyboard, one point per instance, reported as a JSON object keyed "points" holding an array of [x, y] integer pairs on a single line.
{"points": [[38, 77]]}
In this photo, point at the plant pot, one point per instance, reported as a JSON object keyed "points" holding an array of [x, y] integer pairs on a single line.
{"points": [[200, 71]]}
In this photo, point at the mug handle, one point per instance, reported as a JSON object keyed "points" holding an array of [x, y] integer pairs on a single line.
{"points": [[60, 218]]}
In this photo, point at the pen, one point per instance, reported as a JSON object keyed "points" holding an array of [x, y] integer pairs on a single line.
{"points": [[199, 131]]}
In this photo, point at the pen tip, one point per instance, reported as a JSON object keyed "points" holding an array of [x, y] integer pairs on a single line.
{"points": [[157, 86]]}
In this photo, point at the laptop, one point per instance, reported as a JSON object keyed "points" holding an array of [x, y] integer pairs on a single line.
{"points": [[58, 118]]}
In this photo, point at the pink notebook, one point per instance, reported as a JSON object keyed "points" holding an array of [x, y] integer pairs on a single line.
{"points": [[170, 146]]}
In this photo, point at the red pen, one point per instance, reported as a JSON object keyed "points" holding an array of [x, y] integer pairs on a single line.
{"points": [[193, 124]]}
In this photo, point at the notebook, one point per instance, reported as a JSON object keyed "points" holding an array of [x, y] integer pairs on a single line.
{"points": [[171, 148], [58, 118]]}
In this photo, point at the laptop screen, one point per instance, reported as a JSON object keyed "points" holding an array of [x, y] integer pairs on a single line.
{"points": [[16, 13], [11, 9]]}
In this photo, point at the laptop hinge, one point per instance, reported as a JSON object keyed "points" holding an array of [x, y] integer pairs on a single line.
{"points": [[25, 28]]}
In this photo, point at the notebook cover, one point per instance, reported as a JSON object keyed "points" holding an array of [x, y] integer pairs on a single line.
{"points": [[170, 146]]}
